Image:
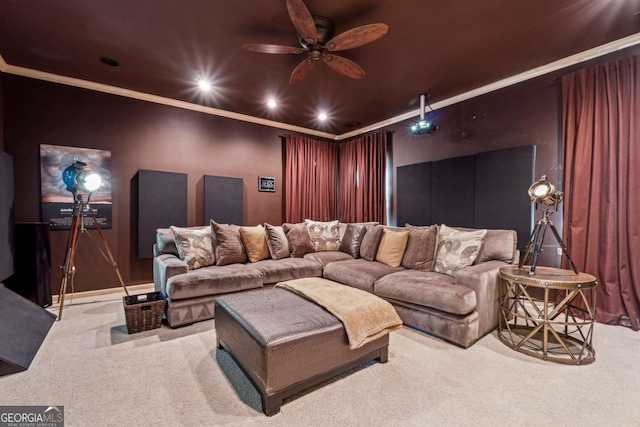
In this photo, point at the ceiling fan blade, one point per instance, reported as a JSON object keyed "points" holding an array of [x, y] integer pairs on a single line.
{"points": [[344, 66], [357, 37], [301, 70], [272, 48], [302, 20]]}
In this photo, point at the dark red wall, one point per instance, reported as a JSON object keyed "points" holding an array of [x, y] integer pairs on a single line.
{"points": [[528, 113], [140, 135], [1, 112]]}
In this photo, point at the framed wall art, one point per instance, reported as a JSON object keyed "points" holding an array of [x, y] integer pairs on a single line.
{"points": [[267, 183], [57, 201]]}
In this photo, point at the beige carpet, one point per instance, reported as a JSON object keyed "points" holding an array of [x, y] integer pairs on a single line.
{"points": [[105, 377]]}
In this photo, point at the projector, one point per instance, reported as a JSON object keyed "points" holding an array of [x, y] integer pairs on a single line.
{"points": [[424, 125]]}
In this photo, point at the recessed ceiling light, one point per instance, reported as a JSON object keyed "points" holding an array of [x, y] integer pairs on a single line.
{"points": [[109, 61], [322, 116], [272, 103], [204, 85]]}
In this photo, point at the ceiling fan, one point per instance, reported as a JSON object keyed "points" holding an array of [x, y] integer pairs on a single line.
{"points": [[316, 37]]}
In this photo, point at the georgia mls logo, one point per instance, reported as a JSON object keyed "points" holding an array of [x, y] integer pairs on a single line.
{"points": [[31, 416]]}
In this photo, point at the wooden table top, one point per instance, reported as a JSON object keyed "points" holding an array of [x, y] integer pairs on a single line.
{"points": [[548, 277]]}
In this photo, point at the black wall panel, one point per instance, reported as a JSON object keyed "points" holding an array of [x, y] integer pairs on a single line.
{"points": [[501, 200], [413, 195], [224, 199], [161, 202], [6, 215], [487, 190], [452, 191]]}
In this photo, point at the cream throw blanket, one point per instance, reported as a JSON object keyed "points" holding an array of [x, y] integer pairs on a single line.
{"points": [[365, 316]]}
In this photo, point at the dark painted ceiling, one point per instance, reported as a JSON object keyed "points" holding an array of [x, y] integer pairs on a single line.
{"points": [[443, 48]]}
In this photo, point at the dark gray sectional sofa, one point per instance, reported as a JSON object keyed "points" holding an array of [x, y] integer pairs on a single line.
{"points": [[460, 307]]}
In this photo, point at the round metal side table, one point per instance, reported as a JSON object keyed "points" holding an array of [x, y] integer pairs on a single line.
{"points": [[549, 315]]}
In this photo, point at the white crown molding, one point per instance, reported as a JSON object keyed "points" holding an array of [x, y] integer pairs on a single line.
{"points": [[518, 78], [113, 90]]}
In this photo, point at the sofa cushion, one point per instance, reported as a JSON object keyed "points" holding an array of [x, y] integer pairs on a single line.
{"points": [[392, 246], [166, 242], [358, 273], [229, 248], [427, 289], [194, 246], [299, 239], [421, 247], [213, 280], [254, 240], [326, 257], [457, 249], [287, 269], [324, 235], [370, 242], [352, 239], [277, 241]]}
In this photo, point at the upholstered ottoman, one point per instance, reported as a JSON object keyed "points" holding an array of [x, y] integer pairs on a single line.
{"points": [[285, 343]]}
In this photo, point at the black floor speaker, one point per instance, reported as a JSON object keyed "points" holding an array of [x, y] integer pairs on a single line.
{"points": [[32, 277], [23, 327]]}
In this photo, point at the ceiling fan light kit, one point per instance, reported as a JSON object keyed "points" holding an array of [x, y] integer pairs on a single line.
{"points": [[316, 36]]}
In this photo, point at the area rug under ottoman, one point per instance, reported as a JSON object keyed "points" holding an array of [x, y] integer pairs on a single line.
{"points": [[285, 343]]}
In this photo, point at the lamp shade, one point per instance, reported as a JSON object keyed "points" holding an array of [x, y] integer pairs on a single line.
{"points": [[542, 191]]}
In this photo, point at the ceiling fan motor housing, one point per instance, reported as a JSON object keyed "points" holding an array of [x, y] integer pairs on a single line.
{"points": [[325, 29]]}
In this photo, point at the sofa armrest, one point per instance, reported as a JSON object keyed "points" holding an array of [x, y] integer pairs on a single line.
{"points": [[483, 279], [164, 267]]}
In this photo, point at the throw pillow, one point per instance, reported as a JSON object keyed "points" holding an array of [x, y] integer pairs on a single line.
{"points": [[194, 246], [498, 244], [299, 240], [421, 247], [352, 239], [392, 246], [166, 242], [324, 235], [457, 249], [370, 242], [229, 249], [277, 241], [255, 243]]}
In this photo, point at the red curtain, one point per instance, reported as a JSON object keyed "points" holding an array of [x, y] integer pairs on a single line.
{"points": [[601, 135], [311, 171], [362, 178]]}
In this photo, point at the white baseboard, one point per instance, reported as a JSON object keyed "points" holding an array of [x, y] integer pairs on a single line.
{"points": [[133, 289]]}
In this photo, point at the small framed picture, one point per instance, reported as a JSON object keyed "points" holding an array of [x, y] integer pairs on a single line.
{"points": [[267, 183]]}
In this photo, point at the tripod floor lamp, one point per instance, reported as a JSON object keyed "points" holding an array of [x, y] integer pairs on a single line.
{"points": [[82, 180], [542, 192]]}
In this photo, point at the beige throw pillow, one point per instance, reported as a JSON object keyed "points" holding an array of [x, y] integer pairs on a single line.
{"points": [[392, 246], [194, 246], [255, 243], [324, 235], [457, 249]]}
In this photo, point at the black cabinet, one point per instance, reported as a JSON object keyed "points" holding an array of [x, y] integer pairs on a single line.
{"points": [[32, 261]]}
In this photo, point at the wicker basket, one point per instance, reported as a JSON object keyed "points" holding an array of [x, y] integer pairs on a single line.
{"points": [[143, 312]]}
